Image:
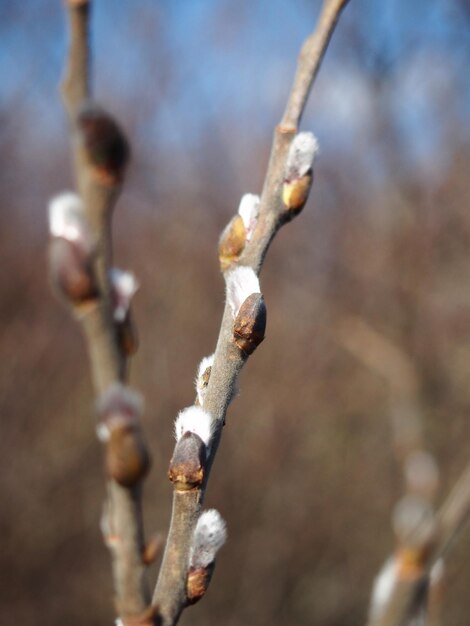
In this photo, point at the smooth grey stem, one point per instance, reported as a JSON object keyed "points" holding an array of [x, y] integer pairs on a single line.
{"points": [[228, 359]]}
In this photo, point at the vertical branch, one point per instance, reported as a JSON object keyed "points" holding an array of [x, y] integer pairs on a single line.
{"points": [[229, 358], [413, 574], [100, 154]]}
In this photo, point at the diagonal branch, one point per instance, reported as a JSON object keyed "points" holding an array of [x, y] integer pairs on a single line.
{"points": [[170, 592]]}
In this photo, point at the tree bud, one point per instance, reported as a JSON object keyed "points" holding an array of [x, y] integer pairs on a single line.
{"points": [[71, 271], [188, 463], [198, 582], [105, 144], [298, 174], [295, 193], [250, 323], [127, 459], [127, 336], [232, 242]]}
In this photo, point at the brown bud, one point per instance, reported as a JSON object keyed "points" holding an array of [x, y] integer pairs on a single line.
{"points": [[127, 459], [152, 549], [232, 242], [127, 337], [188, 463], [105, 144], [198, 582], [295, 192], [411, 563], [250, 324], [71, 271]]}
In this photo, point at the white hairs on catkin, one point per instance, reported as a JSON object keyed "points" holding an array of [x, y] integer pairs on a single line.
{"points": [[302, 152], [67, 217], [124, 286], [195, 420], [209, 536], [201, 383], [248, 210], [241, 282], [382, 590]]}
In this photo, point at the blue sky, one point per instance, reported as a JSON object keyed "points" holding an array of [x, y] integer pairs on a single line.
{"points": [[181, 68]]}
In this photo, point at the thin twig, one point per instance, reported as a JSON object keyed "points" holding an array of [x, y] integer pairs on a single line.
{"points": [[107, 361], [170, 592]]}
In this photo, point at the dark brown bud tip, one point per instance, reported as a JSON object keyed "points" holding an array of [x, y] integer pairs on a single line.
{"points": [[105, 144], [232, 242], [71, 271], [127, 337], [187, 466], [295, 193], [250, 324], [127, 459], [198, 582]]}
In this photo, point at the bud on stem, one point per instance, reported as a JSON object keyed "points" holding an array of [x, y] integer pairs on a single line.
{"points": [[105, 145], [126, 457], [250, 324], [298, 175]]}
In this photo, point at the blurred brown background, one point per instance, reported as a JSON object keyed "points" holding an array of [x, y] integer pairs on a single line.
{"points": [[306, 475]]}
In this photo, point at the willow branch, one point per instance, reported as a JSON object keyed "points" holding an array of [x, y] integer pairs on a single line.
{"points": [[170, 592], [108, 362]]}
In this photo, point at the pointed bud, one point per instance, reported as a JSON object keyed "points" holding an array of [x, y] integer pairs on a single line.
{"points": [[188, 463], [240, 282], [202, 379], [299, 172], [232, 242], [105, 144], [249, 211], [127, 460], [250, 324]]}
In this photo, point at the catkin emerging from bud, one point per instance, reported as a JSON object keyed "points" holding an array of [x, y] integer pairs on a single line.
{"points": [[127, 460], [299, 172], [71, 250]]}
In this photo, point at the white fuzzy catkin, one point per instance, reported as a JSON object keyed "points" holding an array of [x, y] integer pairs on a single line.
{"points": [[124, 286], [249, 211], [195, 420], [382, 590], [302, 153], [67, 217], [201, 385], [241, 282], [209, 536]]}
